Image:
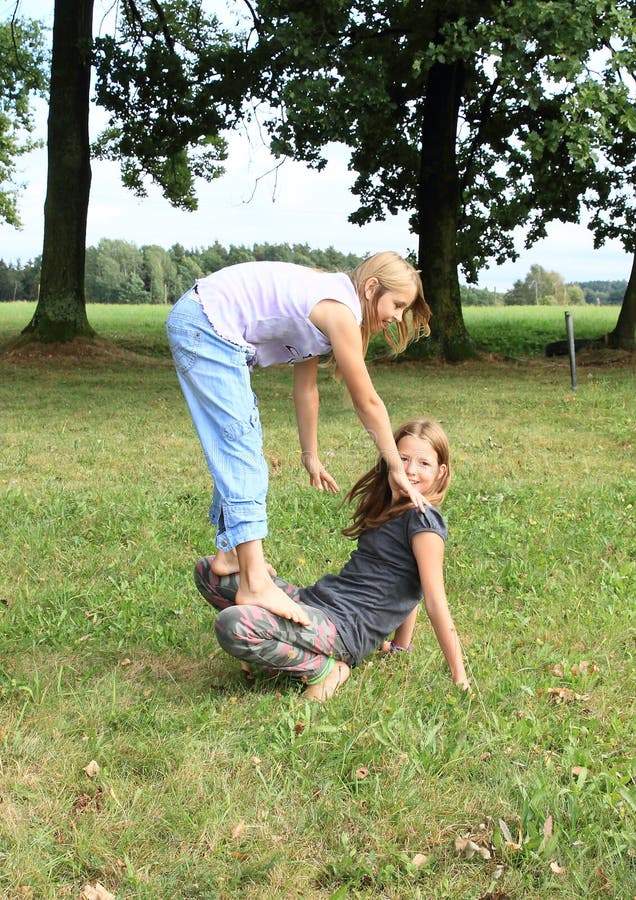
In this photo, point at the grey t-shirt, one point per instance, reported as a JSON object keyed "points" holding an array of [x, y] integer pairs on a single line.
{"points": [[379, 585]]}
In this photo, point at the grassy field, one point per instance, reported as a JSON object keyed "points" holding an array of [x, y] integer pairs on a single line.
{"points": [[206, 786], [510, 331]]}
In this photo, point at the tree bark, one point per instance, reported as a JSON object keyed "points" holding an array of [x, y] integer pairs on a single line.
{"points": [[438, 206], [60, 314], [623, 335]]}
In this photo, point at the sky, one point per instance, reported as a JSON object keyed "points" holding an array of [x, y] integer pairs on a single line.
{"points": [[257, 202]]}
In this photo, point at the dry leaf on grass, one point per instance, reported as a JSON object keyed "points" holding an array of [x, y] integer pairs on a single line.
{"points": [[96, 892], [92, 769], [585, 667], [557, 670], [467, 848], [238, 830], [556, 868], [509, 842], [565, 695], [547, 828]]}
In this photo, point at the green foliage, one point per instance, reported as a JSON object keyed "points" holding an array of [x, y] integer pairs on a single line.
{"points": [[22, 61], [169, 81], [598, 292], [542, 287], [211, 787], [120, 272]]}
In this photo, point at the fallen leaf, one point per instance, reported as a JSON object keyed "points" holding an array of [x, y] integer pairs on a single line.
{"points": [[565, 695], [505, 831], [96, 892], [468, 848], [276, 466], [547, 828], [238, 830], [585, 667], [256, 760], [556, 868], [557, 670], [92, 769], [419, 860], [299, 727], [362, 772]]}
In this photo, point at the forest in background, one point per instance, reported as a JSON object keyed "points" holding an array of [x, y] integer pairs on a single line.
{"points": [[119, 271]]}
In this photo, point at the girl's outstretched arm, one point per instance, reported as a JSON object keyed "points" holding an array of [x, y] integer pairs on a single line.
{"points": [[337, 322], [307, 401], [428, 549]]}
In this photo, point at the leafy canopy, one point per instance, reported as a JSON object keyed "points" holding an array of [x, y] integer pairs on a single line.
{"points": [[22, 65]]}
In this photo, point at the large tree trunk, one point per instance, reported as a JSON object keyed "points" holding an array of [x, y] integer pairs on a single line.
{"points": [[61, 311], [438, 205], [623, 335]]}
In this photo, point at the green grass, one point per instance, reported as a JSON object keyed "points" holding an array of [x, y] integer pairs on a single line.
{"points": [[209, 787], [510, 331]]}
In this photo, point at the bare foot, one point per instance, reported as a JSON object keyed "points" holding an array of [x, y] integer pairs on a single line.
{"points": [[226, 563], [270, 597], [325, 689], [248, 670]]}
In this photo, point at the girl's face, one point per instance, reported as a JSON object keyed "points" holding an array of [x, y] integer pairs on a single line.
{"points": [[390, 307], [420, 462]]}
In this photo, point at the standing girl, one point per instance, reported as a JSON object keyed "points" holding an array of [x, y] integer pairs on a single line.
{"points": [[261, 313], [398, 559]]}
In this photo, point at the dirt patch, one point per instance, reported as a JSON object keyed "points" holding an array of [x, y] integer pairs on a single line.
{"points": [[81, 351]]}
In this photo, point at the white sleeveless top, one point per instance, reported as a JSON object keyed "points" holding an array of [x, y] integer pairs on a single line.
{"points": [[265, 306]]}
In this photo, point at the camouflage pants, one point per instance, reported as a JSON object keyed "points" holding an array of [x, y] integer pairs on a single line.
{"points": [[262, 639]]}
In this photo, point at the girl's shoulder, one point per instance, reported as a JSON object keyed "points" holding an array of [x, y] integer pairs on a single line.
{"points": [[430, 519]]}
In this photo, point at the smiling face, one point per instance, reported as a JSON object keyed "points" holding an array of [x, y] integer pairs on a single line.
{"points": [[421, 464], [389, 307]]}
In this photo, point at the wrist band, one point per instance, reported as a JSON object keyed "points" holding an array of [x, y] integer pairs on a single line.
{"points": [[395, 648]]}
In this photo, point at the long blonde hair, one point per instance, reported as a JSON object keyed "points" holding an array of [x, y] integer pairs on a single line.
{"points": [[393, 273], [372, 492]]}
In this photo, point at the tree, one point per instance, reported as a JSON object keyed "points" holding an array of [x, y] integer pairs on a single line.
{"points": [[22, 62], [600, 123], [437, 101], [160, 78]]}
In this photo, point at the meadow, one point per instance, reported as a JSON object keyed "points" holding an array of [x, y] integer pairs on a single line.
{"points": [[136, 761]]}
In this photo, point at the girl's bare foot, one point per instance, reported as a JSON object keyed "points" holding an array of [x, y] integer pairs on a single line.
{"points": [[225, 562], [272, 598], [248, 670], [325, 689]]}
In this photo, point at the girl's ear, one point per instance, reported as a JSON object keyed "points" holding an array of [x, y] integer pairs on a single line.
{"points": [[370, 286]]}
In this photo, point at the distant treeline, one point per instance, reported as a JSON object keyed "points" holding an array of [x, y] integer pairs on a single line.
{"points": [[120, 272]]}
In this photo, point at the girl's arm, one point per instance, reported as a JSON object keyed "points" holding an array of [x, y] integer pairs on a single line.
{"points": [[428, 549], [337, 322], [404, 633], [307, 401]]}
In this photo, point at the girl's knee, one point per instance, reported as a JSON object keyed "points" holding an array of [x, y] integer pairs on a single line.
{"points": [[226, 625]]}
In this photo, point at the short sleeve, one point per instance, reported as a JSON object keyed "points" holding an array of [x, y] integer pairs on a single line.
{"points": [[429, 520]]}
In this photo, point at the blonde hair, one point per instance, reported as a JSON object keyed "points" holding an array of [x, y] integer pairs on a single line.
{"points": [[372, 492], [393, 274]]}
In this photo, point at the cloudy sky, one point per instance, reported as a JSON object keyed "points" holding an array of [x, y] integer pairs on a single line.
{"points": [[252, 204]]}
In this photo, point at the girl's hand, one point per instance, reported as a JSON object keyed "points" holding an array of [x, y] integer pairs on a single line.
{"points": [[402, 487], [319, 477]]}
